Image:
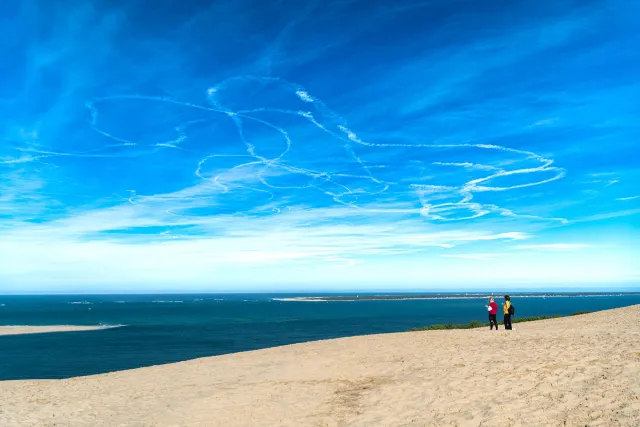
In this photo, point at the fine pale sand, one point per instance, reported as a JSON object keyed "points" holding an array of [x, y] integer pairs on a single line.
{"points": [[575, 371], [17, 330]]}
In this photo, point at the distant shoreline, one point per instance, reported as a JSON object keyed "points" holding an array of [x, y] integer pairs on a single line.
{"points": [[21, 330], [333, 298]]}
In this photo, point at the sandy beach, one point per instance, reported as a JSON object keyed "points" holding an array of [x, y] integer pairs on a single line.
{"points": [[575, 371], [17, 330]]}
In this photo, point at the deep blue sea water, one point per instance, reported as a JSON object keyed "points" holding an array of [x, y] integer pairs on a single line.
{"points": [[169, 328]]}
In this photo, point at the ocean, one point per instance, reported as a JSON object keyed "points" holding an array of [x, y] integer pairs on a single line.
{"points": [[144, 330]]}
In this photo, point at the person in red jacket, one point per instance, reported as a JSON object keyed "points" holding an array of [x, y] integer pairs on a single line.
{"points": [[493, 311]]}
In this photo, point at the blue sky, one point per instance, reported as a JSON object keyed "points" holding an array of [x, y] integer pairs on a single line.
{"points": [[249, 145]]}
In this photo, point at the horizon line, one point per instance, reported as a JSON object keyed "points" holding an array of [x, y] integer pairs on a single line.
{"points": [[623, 290]]}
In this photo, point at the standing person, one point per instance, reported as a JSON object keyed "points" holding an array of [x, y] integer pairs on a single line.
{"points": [[493, 311], [506, 307]]}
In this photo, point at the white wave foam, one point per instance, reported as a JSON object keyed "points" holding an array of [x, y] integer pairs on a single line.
{"points": [[109, 326]]}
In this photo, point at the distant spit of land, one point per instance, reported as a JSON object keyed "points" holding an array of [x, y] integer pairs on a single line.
{"points": [[372, 297]]}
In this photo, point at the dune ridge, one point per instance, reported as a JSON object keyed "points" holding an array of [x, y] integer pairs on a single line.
{"points": [[571, 371]]}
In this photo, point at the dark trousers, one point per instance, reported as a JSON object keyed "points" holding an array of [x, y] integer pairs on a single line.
{"points": [[493, 321], [507, 321]]}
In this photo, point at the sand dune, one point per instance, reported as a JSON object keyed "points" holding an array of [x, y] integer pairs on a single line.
{"points": [[17, 330], [576, 371]]}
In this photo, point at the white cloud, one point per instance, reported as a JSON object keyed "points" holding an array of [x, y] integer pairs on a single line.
{"points": [[545, 122], [607, 215], [601, 174], [268, 263], [553, 246], [480, 256], [468, 165]]}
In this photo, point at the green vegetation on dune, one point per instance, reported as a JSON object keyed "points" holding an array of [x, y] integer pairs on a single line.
{"points": [[475, 324]]}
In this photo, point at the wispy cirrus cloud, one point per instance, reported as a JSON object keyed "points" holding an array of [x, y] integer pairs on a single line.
{"points": [[554, 246], [609, 215], [480, 256]]}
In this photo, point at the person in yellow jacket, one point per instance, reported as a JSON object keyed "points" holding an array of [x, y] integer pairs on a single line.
{"points": [[507, 315]]}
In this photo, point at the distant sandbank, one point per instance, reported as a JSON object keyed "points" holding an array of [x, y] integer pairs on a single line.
{"points": [[397, 297], [18, 330]]}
